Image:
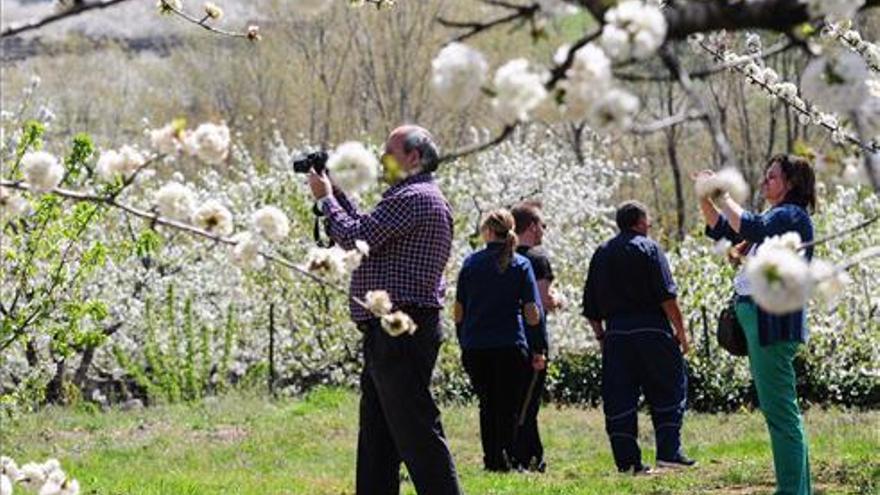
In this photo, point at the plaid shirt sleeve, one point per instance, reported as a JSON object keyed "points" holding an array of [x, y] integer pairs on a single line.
{"points": [[392, 217]]}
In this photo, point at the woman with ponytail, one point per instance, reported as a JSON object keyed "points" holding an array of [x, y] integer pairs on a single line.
{"points": [[496, 300]]}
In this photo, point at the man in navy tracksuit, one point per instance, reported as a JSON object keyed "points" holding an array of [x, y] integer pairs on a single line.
{"points": [[630, 301]]}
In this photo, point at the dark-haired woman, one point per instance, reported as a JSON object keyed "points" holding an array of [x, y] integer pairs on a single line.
{"points": [[496, 297], [789, 189]]}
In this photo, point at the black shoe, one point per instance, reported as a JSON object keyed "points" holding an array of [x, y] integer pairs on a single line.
{"points": [[679, 462]]}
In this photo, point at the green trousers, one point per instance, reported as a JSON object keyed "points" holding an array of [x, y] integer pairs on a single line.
{"points": [[773, 373]]}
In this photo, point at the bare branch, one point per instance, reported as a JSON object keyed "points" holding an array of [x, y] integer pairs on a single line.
{"points": [[203, 23], [77, 9], [469, 150], [722, 145], [668, 122], [474, 28]]}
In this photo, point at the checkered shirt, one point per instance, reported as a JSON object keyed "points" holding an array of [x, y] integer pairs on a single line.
{"points": [[410, 238]]}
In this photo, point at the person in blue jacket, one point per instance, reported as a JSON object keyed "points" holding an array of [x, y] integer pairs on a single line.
{"points": [[496, 297], [789, 188], [630, 300]]}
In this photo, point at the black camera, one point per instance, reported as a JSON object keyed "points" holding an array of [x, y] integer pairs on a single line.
{"points": [[316, 160]]}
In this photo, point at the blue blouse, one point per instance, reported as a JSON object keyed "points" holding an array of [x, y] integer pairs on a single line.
{"points": [[493, 300], [754, 228]]}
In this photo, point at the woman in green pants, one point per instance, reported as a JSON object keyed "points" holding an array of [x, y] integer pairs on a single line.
{"points": [[789, 188]]}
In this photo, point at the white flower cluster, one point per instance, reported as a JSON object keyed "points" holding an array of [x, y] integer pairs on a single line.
{"points": [[167, 140], [768, 80], [115, 163], [44, 478], [590, 93], [12, 204], [398, 323], [42, 170], [175, 201], [353, 167], [519, 90], [210, 142], [458, 73], [851, 38], [271, 223], [727, 180], [335, 262], [778, 275], [213, 11], [633, 29], [378, 302], [837, 9], [782, 281], [214, 218]]}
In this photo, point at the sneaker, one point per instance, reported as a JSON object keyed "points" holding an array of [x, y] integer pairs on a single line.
{"points": [[680, 462]]}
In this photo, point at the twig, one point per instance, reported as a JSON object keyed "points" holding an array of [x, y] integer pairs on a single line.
{"points": [[662, 124], [77, 9], [469, 150], [839, 234], [475, 28], [702, 74], [201, 23]]}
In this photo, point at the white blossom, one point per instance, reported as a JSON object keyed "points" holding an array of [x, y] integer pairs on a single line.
{"points": [[166, 140], [246, 252], [326, 262], [728, 180], [836, 82], [175, 201], [378, 302], [214, 218], [829, 282], [42, 170], [588, 78], [614, 110], [32, 476], [722, 247], [12, 204], [398, 323], [458, 73], [838, 9], [353, 167], [271, 223], [779, 277], [633, 29], [124, 162], [788, 240], [213, 11], [5, 485], [210, 142], [519, 90]]}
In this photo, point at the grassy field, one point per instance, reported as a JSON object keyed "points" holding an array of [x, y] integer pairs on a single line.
{"points": [[251, 445]]}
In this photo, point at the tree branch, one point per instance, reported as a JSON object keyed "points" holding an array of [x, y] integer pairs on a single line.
{"points": [[77, 9]]}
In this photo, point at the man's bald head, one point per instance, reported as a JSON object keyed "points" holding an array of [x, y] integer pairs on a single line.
{"points": [[409, 138]]}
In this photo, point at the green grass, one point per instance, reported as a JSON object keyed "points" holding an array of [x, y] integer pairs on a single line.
{"points": [[251, 445]]}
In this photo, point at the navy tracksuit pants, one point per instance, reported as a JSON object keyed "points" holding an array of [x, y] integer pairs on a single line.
{"points": [[636, 361]]}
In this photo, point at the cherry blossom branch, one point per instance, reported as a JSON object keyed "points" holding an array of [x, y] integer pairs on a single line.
{"points": [[156, 219], [721, 67], [803, 108], [838, 235], [853, 40], [76, 9], [251, 34]]}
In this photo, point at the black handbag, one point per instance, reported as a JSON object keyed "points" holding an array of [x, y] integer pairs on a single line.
{"points": [[731, 336]]}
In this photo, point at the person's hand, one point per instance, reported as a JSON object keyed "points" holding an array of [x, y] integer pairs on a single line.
{"points": [[702, 174], [319, 184], [539, 362], [682, 339]]}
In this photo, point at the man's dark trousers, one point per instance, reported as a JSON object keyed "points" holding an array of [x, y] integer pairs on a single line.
{"points": [[399, 420], [642, 360]]}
